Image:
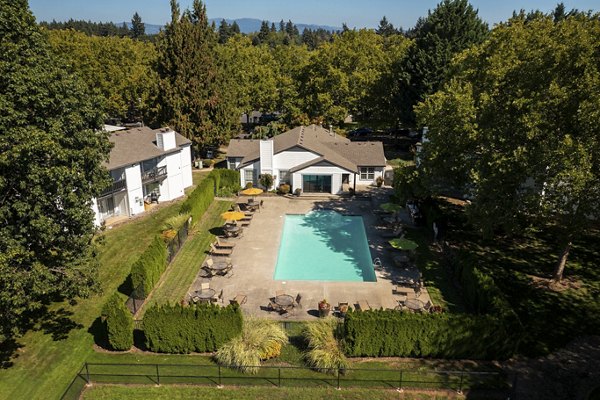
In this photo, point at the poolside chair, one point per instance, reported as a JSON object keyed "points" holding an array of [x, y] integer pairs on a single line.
{"points": [[205, 286], [297, 301], [209, 262], [219, 252], [377, 265], [245, 223], [342, 309], [239, 299], [218, 297], [204, 274], [427, 306], [223, 244], [363, 305], [273, 307]]}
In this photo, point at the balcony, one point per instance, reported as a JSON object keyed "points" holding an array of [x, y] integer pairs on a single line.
{"points": [[154, 174], [117, 186]]}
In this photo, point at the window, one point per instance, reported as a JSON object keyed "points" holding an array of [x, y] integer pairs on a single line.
{"points": [[367, 173], [248, 175], [284, 176]]}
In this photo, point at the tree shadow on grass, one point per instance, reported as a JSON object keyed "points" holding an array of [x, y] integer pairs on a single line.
{"points": [[99, 333], [59, 324], [8, 352]]}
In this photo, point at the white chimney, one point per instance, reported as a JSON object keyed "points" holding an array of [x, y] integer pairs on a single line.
{"points": [[266, 157], [165, 139]]}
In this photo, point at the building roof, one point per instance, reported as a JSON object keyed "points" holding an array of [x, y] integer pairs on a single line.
{"points": [[333, 148], [138, 144]]}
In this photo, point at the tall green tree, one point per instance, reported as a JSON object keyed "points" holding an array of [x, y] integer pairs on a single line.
{"points": [[50, 155], [386, 28], [518, 125], [120, 70], [189, 98], [138, 29], [447, 30]]}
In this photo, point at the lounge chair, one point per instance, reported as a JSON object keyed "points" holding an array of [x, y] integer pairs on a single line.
{"points": [[427, 306], [219, 252], [363, 305], [209, 262], [218, 297], [377, 265], [273, 307], [239, 298], [223, 244]]}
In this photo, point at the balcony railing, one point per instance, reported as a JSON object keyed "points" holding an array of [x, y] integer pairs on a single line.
{"points": [[154, 174], [117, 186]]}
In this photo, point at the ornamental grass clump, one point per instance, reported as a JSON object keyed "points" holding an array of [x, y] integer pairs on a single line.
{"points": [[175, 222], [260, 340], [324, 352]]}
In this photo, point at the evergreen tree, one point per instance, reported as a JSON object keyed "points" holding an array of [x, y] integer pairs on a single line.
{"points": [[138, 29], [385, 28], [189, 96], [50, 155], [281, 26], [224, 31], [263, 33], [452, 27], [235, 28], [273, 28]]}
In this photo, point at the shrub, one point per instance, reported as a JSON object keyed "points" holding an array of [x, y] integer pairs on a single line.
{"points": [[388, 333], [228, 178], [260, 340], [324, 352], [199, 328], [408, 184], [284, 188], [379, 181], [119, 323], [146, 271], [207, 163], [266, 180], [248, 185]]}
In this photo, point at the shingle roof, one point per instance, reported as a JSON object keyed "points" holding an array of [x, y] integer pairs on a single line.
{"points": [[138, 144], [333, 148]]}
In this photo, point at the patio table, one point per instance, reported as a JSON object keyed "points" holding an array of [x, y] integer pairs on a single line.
{"points": [[219, 266], [414, 304], [205, 294], [284, 301]]}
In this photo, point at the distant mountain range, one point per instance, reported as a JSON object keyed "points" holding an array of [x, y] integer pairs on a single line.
{"points": [[247, 25]]}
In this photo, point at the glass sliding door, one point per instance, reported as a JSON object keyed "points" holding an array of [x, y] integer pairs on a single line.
{"points": [[316, 183]]}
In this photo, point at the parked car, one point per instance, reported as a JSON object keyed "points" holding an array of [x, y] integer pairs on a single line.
{"points": [[360, 132]]}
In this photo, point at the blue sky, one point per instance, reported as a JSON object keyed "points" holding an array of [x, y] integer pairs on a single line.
{"points": [[356, 13]]}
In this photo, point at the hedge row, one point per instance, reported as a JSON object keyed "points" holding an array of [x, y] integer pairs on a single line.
{"points": [[388, 333], [202, 328], [481, 293], [201, 198], [146, 271], [119, 323]]}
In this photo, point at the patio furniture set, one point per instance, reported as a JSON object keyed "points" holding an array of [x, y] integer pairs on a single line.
{"points": [[284, 304]]}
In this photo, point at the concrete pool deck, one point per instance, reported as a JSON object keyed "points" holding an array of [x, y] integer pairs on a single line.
{"points": [[255, 256]]}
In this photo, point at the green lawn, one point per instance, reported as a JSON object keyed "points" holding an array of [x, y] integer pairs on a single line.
{"points": [[521, 265], [183, 269], [437, 282], [250, 393], [43, 366]]}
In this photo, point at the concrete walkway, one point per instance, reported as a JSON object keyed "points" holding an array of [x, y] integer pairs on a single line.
{"points": [[255, 256]]}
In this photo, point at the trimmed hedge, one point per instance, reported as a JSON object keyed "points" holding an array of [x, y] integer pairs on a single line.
{"points": [[388, 333], [119, 323], [201, 328], [227, 178], [146, 271], [200, 199]]}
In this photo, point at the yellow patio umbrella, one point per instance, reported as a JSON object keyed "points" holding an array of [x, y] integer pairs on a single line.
{"points": [[251, 191], [233, 215]]}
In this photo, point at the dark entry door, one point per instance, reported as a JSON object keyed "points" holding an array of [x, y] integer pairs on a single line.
{"points": [[316, 183]]}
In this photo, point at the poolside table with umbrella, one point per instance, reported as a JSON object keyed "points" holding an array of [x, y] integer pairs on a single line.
{"points": [[390, 207], [232, 216], [251, 192]]}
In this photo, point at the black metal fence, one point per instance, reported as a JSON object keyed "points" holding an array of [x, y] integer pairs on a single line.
{"points": [[137, 296], [486, 384]]}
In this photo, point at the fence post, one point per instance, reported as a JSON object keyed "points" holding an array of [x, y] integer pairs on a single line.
{"points": [[338, 379], [220, 384], [279, 377], [87, 373], [461, 382], [400, 382], [157, 376]]}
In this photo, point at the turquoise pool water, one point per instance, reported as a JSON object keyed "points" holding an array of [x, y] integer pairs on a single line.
{"points": [[324, 245]]}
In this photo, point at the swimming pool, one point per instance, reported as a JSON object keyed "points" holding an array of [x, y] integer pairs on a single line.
{"points": [[324, 245]]}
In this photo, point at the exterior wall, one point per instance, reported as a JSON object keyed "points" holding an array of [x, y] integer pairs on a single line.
{"points": [[334, 171], [186, 166], [378, 173], [135, 193], [174, 180], [289, 159], [255, 167], [266, 156], [233, 162], [96, 212]]}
